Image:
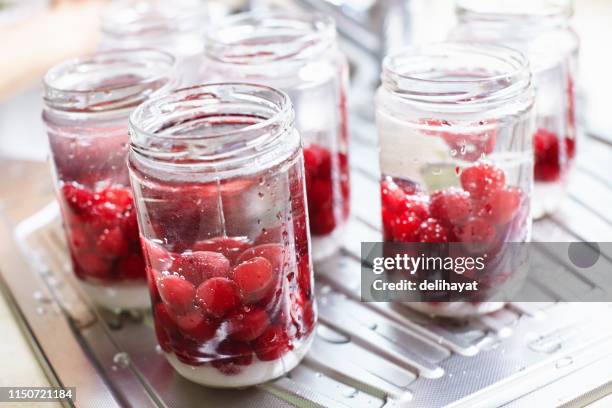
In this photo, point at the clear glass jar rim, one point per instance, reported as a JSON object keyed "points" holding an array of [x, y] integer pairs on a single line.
{"points": [[515, 10], [249, 141], [311, 33], [130, 18], [107, 97], [407, 73]]}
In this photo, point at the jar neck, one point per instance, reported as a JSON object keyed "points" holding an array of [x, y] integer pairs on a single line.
{"points": [[526, 15], [152, 21], [109, 83], [214, 128], [450, 77], [266, 38]]}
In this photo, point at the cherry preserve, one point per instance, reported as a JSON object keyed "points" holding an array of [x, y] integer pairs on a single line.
{"points": [[87, 105], [455, 134], [218, 175]]}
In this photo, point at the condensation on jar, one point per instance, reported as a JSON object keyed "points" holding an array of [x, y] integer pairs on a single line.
{"points": [[87, 106], [298, 54], [218, 177], [176, 27], [455, 132], [541, 30]]}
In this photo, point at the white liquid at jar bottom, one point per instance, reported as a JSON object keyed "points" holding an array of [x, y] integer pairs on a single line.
{"points": [[256, 373]]}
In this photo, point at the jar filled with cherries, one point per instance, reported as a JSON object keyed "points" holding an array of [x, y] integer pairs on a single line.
{"points": [[87, 105], [455, 133], [219, 184]]}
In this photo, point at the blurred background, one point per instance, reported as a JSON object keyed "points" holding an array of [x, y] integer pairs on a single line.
{"points": [[36, 34]]}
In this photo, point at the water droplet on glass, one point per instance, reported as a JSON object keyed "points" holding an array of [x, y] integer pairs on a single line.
{"points": [[453, 152], [121, 359], [319, 375], [158, 349], [41, 310], [261, 195], [436, 171]]}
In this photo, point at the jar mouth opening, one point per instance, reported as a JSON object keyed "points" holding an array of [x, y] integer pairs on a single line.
{"points": [[108, 81], [211, 123], [153, 18], [514, 11], [448, 73], [264, 37]]}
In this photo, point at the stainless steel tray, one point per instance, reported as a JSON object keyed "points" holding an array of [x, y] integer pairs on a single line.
{"points": [[364, 355]]}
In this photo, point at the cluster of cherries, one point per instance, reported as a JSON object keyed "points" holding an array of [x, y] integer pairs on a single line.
{"points": [[550, 161], [226, 300], [478, 213], [102, 233], [320, 189]]}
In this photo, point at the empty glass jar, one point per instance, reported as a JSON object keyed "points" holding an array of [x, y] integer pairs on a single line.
{"points": [[540, 29], [87, 105], [455, 131], [218, 178], [298, 54], [176, 27]]}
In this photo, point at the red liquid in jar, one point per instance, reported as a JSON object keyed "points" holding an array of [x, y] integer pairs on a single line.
{"points": [[322, 200], [221, 297]]}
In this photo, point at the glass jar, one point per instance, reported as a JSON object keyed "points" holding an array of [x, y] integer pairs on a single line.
{"points": [[298, 54], [176, 27], [218, 177], [539, 29], [87, 106], [455, 133]]}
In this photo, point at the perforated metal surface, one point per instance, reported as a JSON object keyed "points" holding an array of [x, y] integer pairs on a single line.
{"points": [[364, 355]]}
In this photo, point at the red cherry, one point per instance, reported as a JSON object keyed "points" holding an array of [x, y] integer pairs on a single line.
{"points": [[218, 296], [476, 230], [93, 265], [432, 230], [118, 196], [196, 326], [255, 279], [272, 344], [482, 179], [78, 238], [201, 265], [547, 166], [78, 198], [322, 222], [406, 228], [104, 215], [501, 207], [131, 267], [393, 197], [317, 160], [177, 293], [451, 205], [274, 253], [417, 206], [232, 355], [247, 324], [112, 243], [231, 248]]}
